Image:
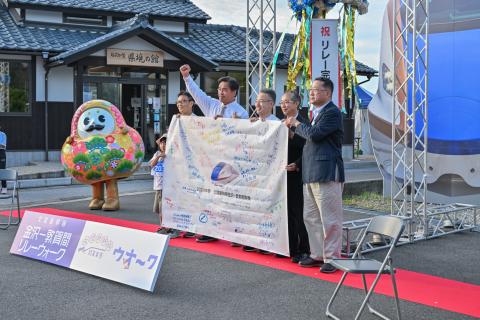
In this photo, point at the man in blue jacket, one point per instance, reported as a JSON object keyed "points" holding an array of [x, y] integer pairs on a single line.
{"points": [[323, 176]]}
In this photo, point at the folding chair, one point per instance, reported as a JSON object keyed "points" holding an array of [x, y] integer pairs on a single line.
{"points": [[11, 176], [387, 226]]}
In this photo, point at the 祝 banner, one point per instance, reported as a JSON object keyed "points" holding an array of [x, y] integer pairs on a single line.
{"points": [[226, 178], [324, 54], [129, 256]]}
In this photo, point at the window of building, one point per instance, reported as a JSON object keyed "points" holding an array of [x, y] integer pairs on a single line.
{"points": [[102, 71], [210, 83], [85, 19], [15, 86]]}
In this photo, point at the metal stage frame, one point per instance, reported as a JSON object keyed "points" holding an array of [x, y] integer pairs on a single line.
{"points": [[260, 49], [409, 123], [410, 114], [440, 219]]}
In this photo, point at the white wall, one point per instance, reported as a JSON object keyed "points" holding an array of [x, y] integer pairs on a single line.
{"points": [[43, 16], [60, 83], [280, 82], [173, 86], [169, 26]]}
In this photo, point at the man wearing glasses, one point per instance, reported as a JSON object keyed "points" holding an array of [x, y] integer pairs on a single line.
{"points": [[323, 176], [225, 106], [263, 111], [185, 104], [264, 106]]}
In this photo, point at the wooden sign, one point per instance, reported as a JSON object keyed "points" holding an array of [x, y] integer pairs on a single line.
{"points": [[126, 57]]}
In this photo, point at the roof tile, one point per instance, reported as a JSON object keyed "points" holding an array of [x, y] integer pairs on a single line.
{"points": [[166, 8], [218, 43]]}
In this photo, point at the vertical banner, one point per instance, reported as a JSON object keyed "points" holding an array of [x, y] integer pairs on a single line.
{"points": [[325, 54], [226, 178]]}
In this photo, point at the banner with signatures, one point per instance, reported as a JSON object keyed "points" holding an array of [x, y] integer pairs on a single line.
{"points": [[226, 178], [125, 255]]}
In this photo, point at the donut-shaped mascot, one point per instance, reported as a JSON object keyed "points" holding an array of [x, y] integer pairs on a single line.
{"points": [[100, 150]]}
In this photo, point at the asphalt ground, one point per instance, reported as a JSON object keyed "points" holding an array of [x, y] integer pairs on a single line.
{"points": [[195, 285]]}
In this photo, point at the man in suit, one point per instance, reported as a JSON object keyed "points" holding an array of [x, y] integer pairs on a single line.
{"points": [[323, 176], [297, 234]]}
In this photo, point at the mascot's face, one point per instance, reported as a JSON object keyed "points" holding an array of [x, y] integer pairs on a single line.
{"points": [[94, 122]]}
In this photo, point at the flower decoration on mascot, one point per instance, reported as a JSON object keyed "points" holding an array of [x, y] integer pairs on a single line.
{"points": [[100, 150]]}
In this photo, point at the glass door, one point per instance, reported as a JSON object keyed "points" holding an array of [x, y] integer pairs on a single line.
{"points": [[140, 95], [155, 114]]}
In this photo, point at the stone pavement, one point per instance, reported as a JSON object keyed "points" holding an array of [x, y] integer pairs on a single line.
{"points": [[198, 285]]}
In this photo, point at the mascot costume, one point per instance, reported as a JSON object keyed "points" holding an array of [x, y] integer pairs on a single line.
{"points": [[100, 150]]}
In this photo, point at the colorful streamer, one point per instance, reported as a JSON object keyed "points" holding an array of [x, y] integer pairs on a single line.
{"points": [[348, 49], [273, 64]]}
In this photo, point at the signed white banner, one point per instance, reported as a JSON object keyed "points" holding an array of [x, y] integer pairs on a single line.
{"points": [[226, 178]]}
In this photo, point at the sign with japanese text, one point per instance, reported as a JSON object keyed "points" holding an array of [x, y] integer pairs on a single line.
{"points": [[129, 256], [226, 178], [124, 57], [324, 54]]}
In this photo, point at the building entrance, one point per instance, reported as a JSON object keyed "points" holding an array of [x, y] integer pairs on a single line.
{"points": [[140, 96]]}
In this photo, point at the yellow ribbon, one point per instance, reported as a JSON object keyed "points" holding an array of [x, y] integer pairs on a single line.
{"points": [[349, 59], [295, 63]]}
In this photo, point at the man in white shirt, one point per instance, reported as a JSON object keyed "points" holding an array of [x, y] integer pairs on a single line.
{"points": [[185, 104], [263, 111], [264, 106], [225, 106], [185, 109]]}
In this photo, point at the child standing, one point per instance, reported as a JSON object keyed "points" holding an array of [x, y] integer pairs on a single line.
{"points": [[156, 163]]}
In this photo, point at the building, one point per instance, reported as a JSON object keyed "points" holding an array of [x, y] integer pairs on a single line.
{"points": [[56, 54]]}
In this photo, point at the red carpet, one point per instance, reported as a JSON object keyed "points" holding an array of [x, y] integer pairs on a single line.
{"points": [[416, 287]]}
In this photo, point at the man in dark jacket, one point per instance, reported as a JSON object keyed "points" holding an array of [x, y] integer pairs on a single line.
{"points": [[323, 176]]}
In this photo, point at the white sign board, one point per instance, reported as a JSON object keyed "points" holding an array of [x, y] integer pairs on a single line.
{"points": [[226, 178], [129, 256], [133, 257], [124, 57], [324, 54]]}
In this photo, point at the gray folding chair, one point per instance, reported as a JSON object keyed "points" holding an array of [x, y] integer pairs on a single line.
{"points": [[388, 226], [11, 176]]}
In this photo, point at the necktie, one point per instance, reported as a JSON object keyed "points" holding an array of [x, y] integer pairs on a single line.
{"points": [[222, 110]]}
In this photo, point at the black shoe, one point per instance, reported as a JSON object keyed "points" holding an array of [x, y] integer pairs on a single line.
{"points": [[249, 249], [299, 257], [173, 233], [328, 268], [204, 239], [309, 263], [189, 235]]}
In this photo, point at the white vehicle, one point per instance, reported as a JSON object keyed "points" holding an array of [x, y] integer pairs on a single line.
{"points": [[453, 170]]}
